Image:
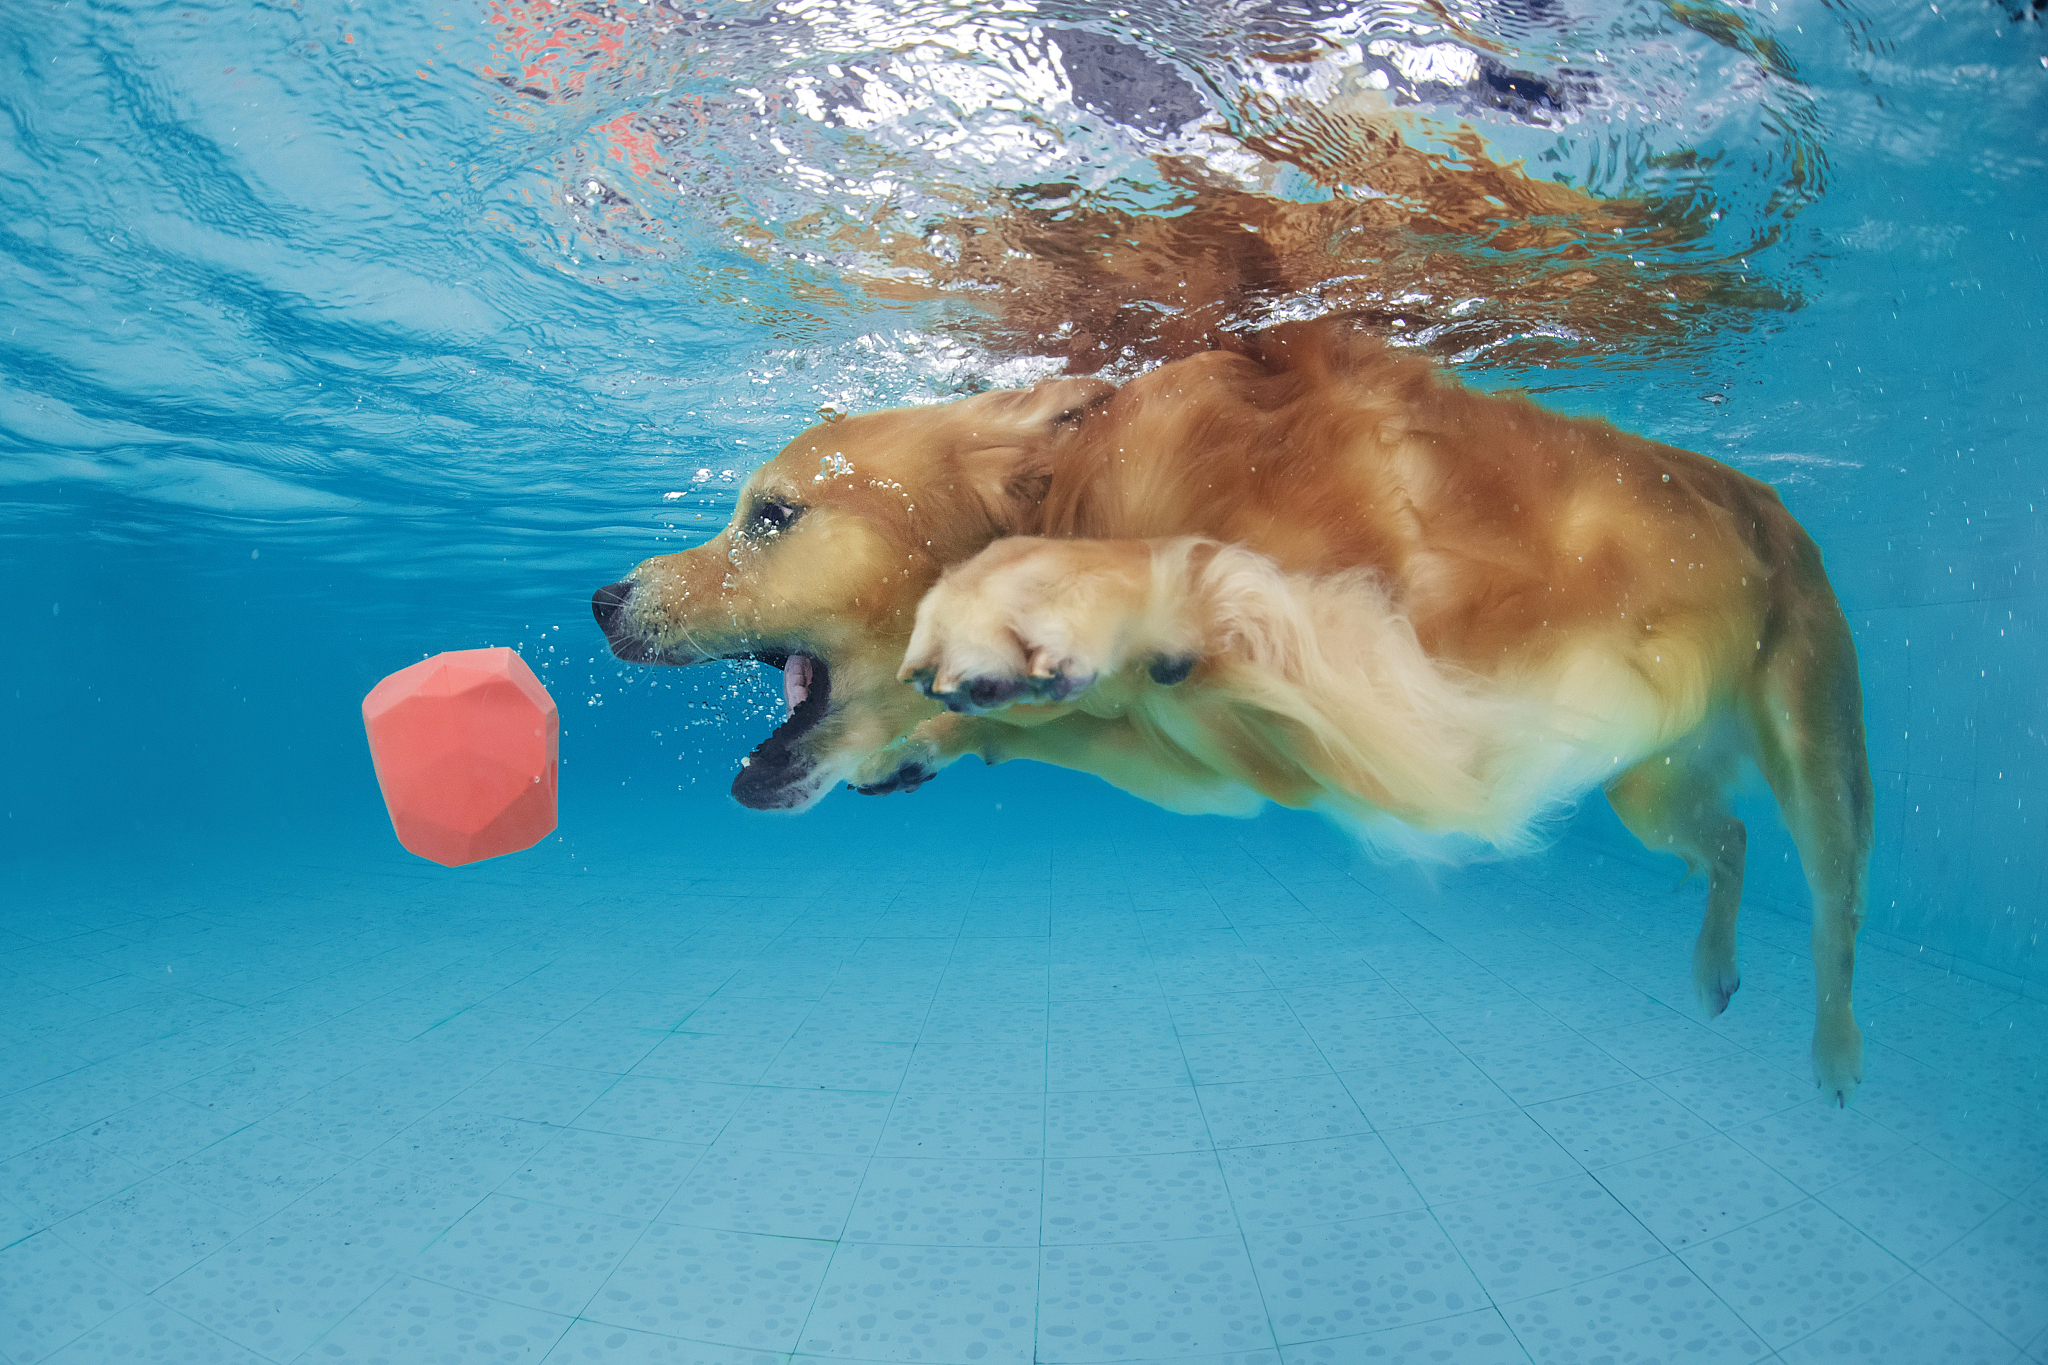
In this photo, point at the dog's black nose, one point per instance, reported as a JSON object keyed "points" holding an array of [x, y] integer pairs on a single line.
{"points": [[606, 601]]}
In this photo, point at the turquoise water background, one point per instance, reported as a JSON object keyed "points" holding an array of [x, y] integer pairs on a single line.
{"points": [[294, 394], [302, 379]]}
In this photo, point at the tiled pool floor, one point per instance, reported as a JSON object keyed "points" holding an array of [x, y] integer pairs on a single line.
{"points": [[1066, 1092]]}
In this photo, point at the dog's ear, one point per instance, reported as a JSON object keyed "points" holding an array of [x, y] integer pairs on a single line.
{"points": [[1012, 438]]}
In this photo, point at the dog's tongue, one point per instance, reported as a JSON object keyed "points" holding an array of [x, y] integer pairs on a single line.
{"points": [[796, 681]]}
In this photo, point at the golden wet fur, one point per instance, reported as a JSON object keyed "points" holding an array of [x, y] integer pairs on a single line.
{"points": [[1307, 570]]}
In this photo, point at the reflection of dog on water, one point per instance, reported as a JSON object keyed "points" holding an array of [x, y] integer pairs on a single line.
{"points": [[1307, 569], [1371, 188]]}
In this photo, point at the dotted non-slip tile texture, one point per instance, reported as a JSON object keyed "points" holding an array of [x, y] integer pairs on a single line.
{"points": [[1156, 1090]]}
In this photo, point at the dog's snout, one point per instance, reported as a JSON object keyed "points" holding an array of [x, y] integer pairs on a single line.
{"points": [[607, 601]]}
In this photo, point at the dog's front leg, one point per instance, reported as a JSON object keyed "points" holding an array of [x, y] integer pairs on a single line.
{"points": [[1034, 620]]}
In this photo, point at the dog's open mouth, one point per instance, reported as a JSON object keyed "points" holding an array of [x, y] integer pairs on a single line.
{"points": [[776, 775]]}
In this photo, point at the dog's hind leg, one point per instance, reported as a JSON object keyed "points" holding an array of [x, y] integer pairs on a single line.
{"points": [[1677, 802], [1806, 709]]}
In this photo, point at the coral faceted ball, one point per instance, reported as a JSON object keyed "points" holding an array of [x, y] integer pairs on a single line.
{"points": [[466, 746]]}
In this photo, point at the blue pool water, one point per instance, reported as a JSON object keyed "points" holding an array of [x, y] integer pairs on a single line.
{"points": [[337, 334]]}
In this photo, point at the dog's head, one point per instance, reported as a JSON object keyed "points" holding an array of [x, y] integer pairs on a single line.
{"points": [[820, 571]]}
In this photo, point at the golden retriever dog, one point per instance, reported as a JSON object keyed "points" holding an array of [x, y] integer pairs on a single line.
{"points": [[1305, 569]]}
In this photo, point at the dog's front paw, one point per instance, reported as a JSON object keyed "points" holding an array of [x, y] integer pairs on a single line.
{"points": [[1025, 621]]}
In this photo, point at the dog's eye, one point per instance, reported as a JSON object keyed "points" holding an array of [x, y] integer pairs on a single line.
{"points": [[770, 517]]}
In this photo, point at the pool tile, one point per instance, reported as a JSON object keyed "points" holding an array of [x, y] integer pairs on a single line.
{"points": [[1139, 1060], [278, 1287], [595, 1343], [816, 1059], [1426, 1090], [664, 1108], [958, 1202], [607, 1173], [603, 1042], [465, 1144], [23, 1126], [826, 1122], [1158, 1300], [1292, 971], [2002, 1145], [740, 1016], [1816, 1145], [151, 1232], [522, 1252], [1914, 1204], [1258, 1113], [258, 1081], [1607, 1005], [783, 1194], [52, 1293], [1208, 975], [1386, 1043], [954, 1067], [920, 1303], [726, 1058], [1324, 1010], [1021, 1023], [59, 1178], [866, 1019], [1231, 1012], [1096, 1201], [1909, 1323], [726, 1288], [1620, 1123], [1494, 1025], [411, 1319], [1280, 1052], [1790, 1273], [979, 1125], [1324, 1180], [535, 1092], [1477, 1338], [1688, 1194], [1998, 1270], [147, 1330], [160, 1131], [1430, 990], [254, 1172], [1531, 1071], [1658, 1311], [1360, 1275], [89, 1094], [1546, 1237], [835, 992], [1653, 1047], [1738, 1090], [1124, 1122], [1487, 1154]]}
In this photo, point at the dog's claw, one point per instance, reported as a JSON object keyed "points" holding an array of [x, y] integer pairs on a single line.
{"points": [[907, 778], [975, 696]]}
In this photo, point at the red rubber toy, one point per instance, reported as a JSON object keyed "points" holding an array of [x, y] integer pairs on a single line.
{"points": [[466, 745]]}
